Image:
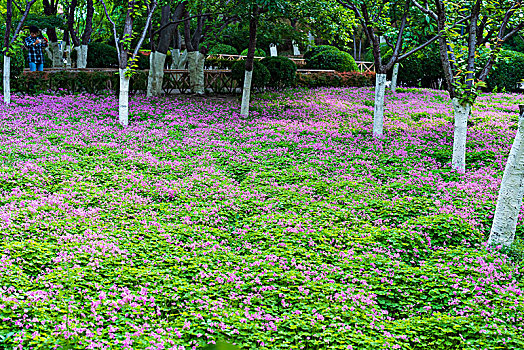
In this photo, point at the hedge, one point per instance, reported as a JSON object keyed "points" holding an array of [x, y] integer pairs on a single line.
{"points": [[348, 79], [261, 74], [282, 70]]}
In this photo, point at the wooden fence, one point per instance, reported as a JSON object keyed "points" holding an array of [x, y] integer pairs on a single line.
{"points": [[363, 66], [95, 80]]}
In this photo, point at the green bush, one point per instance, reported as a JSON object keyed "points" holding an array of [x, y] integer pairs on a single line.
{"points": [[508, 71], [101, 55], [223, 49], [282, 70], [347, 79], [318, 49], [261, 75], [421, 69], [219, 63], [258, 53], [385, 50], [330, 59]]}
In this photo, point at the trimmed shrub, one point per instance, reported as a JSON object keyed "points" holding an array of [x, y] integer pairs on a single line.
{"points": [[282, 70], [330, 59], [384, 50], [421, 69], [101, 55], [348, 79], [261, 74], [258, 53], [223, 49], [508, 72], [318, 49], [219, 63]]}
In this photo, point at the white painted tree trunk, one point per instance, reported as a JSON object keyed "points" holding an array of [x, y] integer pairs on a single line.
{"points": [[394, 78], [246, 94], [195, 63], [461, 114], [67, 53], [123, 99], [511, 191], [156, 73], [273, 50], [81, 56], [55, 54], [7, 80], [179, 59], [378, 113]]}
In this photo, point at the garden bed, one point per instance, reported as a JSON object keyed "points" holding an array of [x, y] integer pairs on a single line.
{"points": [[293, 228]]}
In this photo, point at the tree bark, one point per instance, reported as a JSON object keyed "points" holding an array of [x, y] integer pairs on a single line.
{"points": [[195, 61], [378, 113], [123, 98], [7, 79], [509, 200], [81, 56], [67, 53], [155, 80], [55, 54], [461, 114], [179, 59], [246, 93], [394, 78]]}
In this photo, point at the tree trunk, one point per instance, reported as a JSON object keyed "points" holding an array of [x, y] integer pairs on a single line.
{"points": [[461, 114], [123, 98], [195, 61], [394, 78], [54, 54], [248, 76], [378, 113], [7, 79], [511, 191], [246, 93], [81, 56], [156, 73], [179, 59], [67, 53]]}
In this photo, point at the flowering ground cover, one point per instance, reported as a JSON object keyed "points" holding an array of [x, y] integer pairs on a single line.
{"points": [[293, 229]]}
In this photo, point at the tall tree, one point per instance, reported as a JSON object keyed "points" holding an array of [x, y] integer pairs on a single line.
{"points": [[80, 45], [465, 59], [169, 22], [204, 20], [255, 9], [384, 22], [51, 9], [123, 43], [10, 43]]}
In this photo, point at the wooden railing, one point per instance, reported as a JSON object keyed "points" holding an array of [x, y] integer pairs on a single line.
{"points": [[298, 61], [364, 66]]}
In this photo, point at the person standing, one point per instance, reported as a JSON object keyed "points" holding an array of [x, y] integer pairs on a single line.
{"points": [[34, 43]]}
